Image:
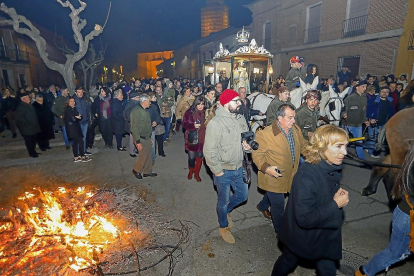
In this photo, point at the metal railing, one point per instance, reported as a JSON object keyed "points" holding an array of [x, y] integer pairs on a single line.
{"points": [[354, 26], [411, 41], [312, 35], [12, 54]]}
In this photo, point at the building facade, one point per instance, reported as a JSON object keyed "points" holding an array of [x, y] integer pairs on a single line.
{"points": [[362, 35], [214, 17], [147, 63]]}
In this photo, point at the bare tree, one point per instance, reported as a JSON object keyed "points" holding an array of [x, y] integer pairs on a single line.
{"points": [[22, 25]]}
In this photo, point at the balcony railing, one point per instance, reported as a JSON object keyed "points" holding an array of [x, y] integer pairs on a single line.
{"points": [[10, 54], [354, 26], [312, 35], [411, 41]]}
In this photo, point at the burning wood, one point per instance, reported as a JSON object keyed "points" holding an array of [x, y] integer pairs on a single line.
{"points": [[70, 230]]}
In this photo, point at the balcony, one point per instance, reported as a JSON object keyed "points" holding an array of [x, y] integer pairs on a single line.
{"points": [[312, 35], [354, 26], [411, 41], [9, 54]]}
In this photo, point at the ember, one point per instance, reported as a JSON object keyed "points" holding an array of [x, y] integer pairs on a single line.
{"points": [[101, 232], [44, 224]]}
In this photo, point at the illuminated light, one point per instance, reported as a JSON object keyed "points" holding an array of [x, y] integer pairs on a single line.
{"points": [[270, 70], [256, 70]]}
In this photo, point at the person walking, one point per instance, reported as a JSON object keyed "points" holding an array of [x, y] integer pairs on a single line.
{"points": [[27, 123], [141, 130], [312, 223], [73, 128], [117, 118], [223, 150], [194, 121]]}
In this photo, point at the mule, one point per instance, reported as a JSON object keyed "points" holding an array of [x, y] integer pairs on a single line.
{"points": [[399, 132]]}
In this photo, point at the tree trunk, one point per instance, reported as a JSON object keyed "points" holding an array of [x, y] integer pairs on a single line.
{"points": [[69, 80]]}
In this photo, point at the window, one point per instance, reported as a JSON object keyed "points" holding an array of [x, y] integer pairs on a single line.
{"points": [[17, 51], [357, 18], [22, 80], [211, 55], [313, 23], [6, 77], [267, 36], [38, 74], [3, 52], [204, 56], [292, 34], [351, 62]]}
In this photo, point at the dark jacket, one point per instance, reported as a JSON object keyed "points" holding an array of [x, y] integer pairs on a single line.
{"points": [[188, 123], [83, 108], [45, 119], [306, 120], [312, 221], [355, 108], [376, 109], [117, 118], [73, 128], [155, 113], [58, 109], [26, 119], [49, 99], [127, 113], [9, 103]]}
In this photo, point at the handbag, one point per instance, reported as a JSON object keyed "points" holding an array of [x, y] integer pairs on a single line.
{"points": [[193, 137], [159, 129], [247, 169], [411, 234]]}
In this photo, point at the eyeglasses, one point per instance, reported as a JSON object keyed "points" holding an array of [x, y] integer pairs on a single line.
{"points": [[237, 101]]}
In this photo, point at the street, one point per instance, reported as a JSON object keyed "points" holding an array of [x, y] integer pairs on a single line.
{"points": [[366, 228]]}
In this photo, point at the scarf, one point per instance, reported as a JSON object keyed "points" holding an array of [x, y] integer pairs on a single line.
{"points": [[106, 105]]}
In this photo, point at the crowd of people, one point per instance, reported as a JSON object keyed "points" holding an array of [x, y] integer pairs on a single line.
{"points": [[296, 158]]}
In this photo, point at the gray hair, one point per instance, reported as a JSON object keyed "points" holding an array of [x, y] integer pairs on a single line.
{"points": [[144, 98], [117, 93], [281, 111]]}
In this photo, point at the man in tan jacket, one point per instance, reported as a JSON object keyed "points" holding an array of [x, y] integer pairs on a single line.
{"points": [[277, 159]]}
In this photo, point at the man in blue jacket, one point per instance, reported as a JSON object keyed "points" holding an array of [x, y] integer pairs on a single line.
{"points": [[84, 109]]}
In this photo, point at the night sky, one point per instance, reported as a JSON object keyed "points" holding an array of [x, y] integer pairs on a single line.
{"points": [[134, 25]]}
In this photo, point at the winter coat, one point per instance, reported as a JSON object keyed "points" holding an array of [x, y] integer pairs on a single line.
{"points": [[183, 105], [222, 146], [376, 109], [306, 120], [271, 110], [370, 105], [83, 108], [248, 111], [49, 99], [46, 121], [117, 118], [127, 112], [312, 221], [98, 107], [293, 76], [26, 119], [188, 123], [9, 103], [73, 128], [355, 108], [155, 115], [140, 124], [274, 150], [58, 109]]}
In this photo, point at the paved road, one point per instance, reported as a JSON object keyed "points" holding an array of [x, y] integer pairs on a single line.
{"points": [[365, 231]]}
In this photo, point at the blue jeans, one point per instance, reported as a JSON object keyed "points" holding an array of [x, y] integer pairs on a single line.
{"points": [[225, 202], [167, 124], [277, 208], [357, 132], [264, 204], [84, 127], [65, 136], [373, 136], [397, 249]]}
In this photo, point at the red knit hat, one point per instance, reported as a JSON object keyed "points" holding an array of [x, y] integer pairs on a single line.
{"points": [[227, 95]]}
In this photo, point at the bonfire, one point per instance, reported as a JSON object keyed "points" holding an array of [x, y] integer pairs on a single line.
{"points": [[66, 231]]}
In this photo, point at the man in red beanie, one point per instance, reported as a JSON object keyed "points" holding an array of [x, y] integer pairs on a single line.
{"points": [[223, 150]]}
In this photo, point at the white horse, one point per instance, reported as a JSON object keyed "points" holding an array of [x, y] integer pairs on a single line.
{"points": [[260, 101], [333, 104]]}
